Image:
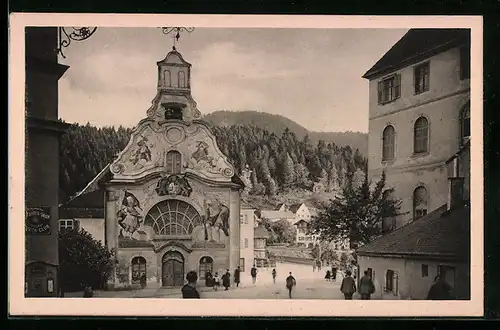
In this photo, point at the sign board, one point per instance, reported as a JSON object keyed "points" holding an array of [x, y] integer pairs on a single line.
{"points": [[38, 220]]}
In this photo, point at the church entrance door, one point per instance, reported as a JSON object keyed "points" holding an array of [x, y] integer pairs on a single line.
{"points": [[172, 269]]}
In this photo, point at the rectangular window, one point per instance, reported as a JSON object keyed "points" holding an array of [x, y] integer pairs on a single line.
{"points": [[389, 89], [173, 162], [66, 224], [246, 243], [425, 270], [389, 281], [242, 265], [465, 63], [421, 78], [241, 218]]}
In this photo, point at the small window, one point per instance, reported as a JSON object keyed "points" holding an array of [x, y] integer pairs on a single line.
{"points": [[242, 265], [138, 270], [246, 219], [173, 162], [465, 62], [389, 280], [421, 75], [388, 143], [167, 78], [419, 202], [425, 270], [389, 89], [421, 135], [246, 243], [241, 218], [66, 224]]}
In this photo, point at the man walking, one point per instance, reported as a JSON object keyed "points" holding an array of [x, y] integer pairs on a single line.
{"points": [[290, 283], [274, 275], [226, 280], [366, 286], [253, 272], [189, 290], [348, 286], [237, 272]]}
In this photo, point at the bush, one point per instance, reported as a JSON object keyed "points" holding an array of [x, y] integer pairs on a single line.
{"points": [[83, 261]]}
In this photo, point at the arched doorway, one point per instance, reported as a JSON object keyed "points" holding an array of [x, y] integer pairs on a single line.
{"points": [[138, 269], [172, 269], [206, 264]]}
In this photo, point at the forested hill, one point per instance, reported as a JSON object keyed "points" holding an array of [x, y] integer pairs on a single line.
{"points": [[278, 161], [276, 124]]}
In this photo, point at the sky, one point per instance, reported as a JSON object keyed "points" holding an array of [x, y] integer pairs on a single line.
{"points": [[312, 76]]}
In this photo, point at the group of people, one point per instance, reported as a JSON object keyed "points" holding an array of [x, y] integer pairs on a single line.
{"points": [[348, 286], [216, 281], [331, 275]]}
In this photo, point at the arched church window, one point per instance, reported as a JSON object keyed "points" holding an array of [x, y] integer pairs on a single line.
{"points": [[206, 265], [174, 162], [182, 79], [172, 218], [138, 270], [419, 202], [167, 78], [388, 143], [421, 135]]}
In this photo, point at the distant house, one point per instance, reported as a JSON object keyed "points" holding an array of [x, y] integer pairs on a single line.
{"points": [[301, 211], [260, 241], [86, 210], [303, 237], [405, 262], [247, 227], [274, 216]]}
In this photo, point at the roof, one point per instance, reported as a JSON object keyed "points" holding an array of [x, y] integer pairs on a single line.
{"points": [[295, 207], [271, 214], [89, 205], [416, 45], [301, 220], [104, 175], [440, 234], [260, 232]]}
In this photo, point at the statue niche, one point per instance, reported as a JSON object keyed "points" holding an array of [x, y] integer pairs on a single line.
{"points": [[175, 184]]}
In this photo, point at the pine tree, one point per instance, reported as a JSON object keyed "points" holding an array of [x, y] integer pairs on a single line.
{"points": [[287, 170]]}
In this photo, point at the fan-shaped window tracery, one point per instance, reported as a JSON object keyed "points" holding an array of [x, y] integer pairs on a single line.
{"points": [[172, 218]]}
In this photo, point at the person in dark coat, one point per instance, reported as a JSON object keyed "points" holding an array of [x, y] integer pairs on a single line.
{"points": [[348, 286], [253, 273], [366, 286], [334, 274], [328, 275], [226, 280], [290, 284], [189, 290], [88, 292], [237, 272], [209, 279], [274, 275], [440, 290]]}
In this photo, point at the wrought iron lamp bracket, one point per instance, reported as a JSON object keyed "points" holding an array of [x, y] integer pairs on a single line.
{"points": [[68, 34]]}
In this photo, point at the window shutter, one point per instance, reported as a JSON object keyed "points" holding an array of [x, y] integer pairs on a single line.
{"points": [[380, 92], [76, 225], [397, 86], [395, 286]]}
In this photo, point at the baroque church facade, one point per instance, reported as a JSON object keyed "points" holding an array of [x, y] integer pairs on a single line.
{"points": [[172, 204]]}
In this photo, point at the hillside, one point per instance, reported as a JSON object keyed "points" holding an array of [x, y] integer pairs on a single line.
{"points": [[276, 124]]}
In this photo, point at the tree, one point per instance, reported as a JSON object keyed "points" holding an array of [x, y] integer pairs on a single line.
{"points": [[285, 232], [301, 174], [287, 172], [356, 213], [83, 260]]}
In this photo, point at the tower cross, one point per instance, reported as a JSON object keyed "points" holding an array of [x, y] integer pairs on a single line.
{"points": [[176, 32]]}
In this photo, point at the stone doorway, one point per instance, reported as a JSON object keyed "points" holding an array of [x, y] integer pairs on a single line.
{"points": [[172, 269]]}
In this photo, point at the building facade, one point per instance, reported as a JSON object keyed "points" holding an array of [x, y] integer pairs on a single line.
{"points": [[173, 202], [419, 115], [42, 161], [247, 227], [260, 242]]}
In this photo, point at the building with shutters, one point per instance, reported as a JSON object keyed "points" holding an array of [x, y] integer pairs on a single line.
{"points": [[419, 116]]}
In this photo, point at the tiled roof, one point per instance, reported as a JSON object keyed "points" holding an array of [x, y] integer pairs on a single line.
{"points": [[270, 214], [440, 234], [416, 45], [260, 232], [94, 199], [301, 220]]}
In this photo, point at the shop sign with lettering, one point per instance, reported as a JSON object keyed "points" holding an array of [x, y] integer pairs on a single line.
{"points": [[38, 220]]}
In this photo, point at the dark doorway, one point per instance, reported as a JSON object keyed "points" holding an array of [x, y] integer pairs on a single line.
{"points": [[206, 264], [172, 269]]}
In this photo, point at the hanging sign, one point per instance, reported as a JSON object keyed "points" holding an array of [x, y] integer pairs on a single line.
{"points": [[38, 220]]}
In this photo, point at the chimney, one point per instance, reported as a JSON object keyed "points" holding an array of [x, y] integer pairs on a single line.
{"points": [[455, 192]]}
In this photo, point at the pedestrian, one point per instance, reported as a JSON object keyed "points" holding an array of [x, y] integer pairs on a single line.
{"points": [[143, 281], [440, 290], [237, 272], [334, 274], [366, 286], [209, 280], [216, 281], [290, 283], [328, 275], [226, 280], [348, 286], [189, 290], [253, 273], [88, 292], [274, 275]]}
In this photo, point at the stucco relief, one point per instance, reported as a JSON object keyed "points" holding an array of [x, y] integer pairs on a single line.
{"points": [[128, 216]]}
